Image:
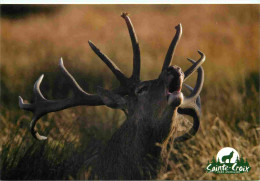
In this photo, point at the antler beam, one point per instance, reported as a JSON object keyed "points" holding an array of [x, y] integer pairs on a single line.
{"points": [[42, 106], [191, 104]]}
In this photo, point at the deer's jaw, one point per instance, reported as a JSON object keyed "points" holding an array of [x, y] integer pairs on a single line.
{"points": [[175, 99]]}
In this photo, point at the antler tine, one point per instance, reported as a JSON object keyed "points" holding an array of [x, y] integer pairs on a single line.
{"points": [[198, 87], [76, 88], [42, 106], [198, 102], [24, 106], [195, 66], [34, 133], [135, 45], [172, 47], [83, 98], [36, 89], [117, 72]]}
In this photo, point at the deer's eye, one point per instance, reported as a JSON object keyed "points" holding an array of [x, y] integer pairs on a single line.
{"points": [[141, 90]]}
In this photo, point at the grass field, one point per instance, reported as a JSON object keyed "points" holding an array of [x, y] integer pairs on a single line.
{"points": [[32, 45]]}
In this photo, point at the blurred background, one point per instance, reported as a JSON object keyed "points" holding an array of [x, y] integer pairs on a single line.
{"points": [[33, 38]]}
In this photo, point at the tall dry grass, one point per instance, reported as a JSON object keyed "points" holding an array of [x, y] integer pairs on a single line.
{"points": [[32, 45]]}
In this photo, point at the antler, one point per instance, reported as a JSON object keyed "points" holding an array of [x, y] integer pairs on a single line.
{"points": [[136, 49], [191, 104], [171, 50], [117, 72], [42, 106], [172, 47], [195, 65], [135, 77], [190, 100]]}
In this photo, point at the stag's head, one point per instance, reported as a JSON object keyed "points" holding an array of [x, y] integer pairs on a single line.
{"points": [[146, 103]]}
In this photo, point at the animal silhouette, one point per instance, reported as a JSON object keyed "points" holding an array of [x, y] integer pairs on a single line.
{"points": [[150, 107], [227, 157]]}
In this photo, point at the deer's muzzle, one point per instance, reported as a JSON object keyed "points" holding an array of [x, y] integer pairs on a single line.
{"points": [[174, 80]]}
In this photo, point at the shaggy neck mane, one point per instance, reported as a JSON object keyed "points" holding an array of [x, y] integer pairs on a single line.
{"points": [[131, 153]]}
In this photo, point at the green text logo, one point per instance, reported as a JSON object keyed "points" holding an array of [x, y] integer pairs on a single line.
{"points": [[228, 162]]}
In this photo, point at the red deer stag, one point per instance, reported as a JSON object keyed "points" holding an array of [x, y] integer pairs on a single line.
{"points": [[150, 107]]}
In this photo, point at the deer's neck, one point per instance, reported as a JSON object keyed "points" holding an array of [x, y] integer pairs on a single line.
{"points": [[133, 152]]}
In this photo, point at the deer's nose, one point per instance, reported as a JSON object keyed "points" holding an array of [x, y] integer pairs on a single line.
{"points": [[174, 70]]}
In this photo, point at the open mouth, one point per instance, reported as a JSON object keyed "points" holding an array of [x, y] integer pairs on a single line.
{"points": [[174, 79]]}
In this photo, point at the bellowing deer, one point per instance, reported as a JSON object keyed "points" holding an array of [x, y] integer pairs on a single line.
{"points": [[135, 149]]}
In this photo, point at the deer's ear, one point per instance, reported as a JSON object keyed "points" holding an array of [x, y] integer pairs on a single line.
{"points": [[110, 99]]}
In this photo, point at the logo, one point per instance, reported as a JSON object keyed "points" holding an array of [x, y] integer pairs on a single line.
{"points": [[228, 162]]}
